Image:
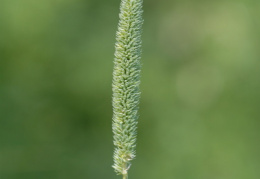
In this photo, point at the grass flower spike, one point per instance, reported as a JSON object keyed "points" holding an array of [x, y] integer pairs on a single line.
{"points": [[126, 80]]}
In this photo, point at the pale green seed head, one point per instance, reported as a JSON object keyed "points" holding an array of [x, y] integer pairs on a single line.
{"points": [[126, 80]]}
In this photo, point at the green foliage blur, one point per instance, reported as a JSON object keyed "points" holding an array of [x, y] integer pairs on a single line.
{"points": [[199, 111]]}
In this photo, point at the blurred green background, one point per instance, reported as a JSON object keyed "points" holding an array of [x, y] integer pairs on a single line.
{"points": [[199, 111]]}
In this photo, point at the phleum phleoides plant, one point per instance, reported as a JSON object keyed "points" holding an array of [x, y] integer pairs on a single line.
{"points": [[126, 80]]}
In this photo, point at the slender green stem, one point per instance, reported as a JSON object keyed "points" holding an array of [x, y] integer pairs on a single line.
{"points": [[125, 176]]}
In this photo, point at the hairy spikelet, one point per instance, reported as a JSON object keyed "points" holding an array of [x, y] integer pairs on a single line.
{"points": [[126, 80]]}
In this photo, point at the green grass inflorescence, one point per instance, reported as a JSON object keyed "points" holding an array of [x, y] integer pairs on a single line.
{"points": [[126, 81]]}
